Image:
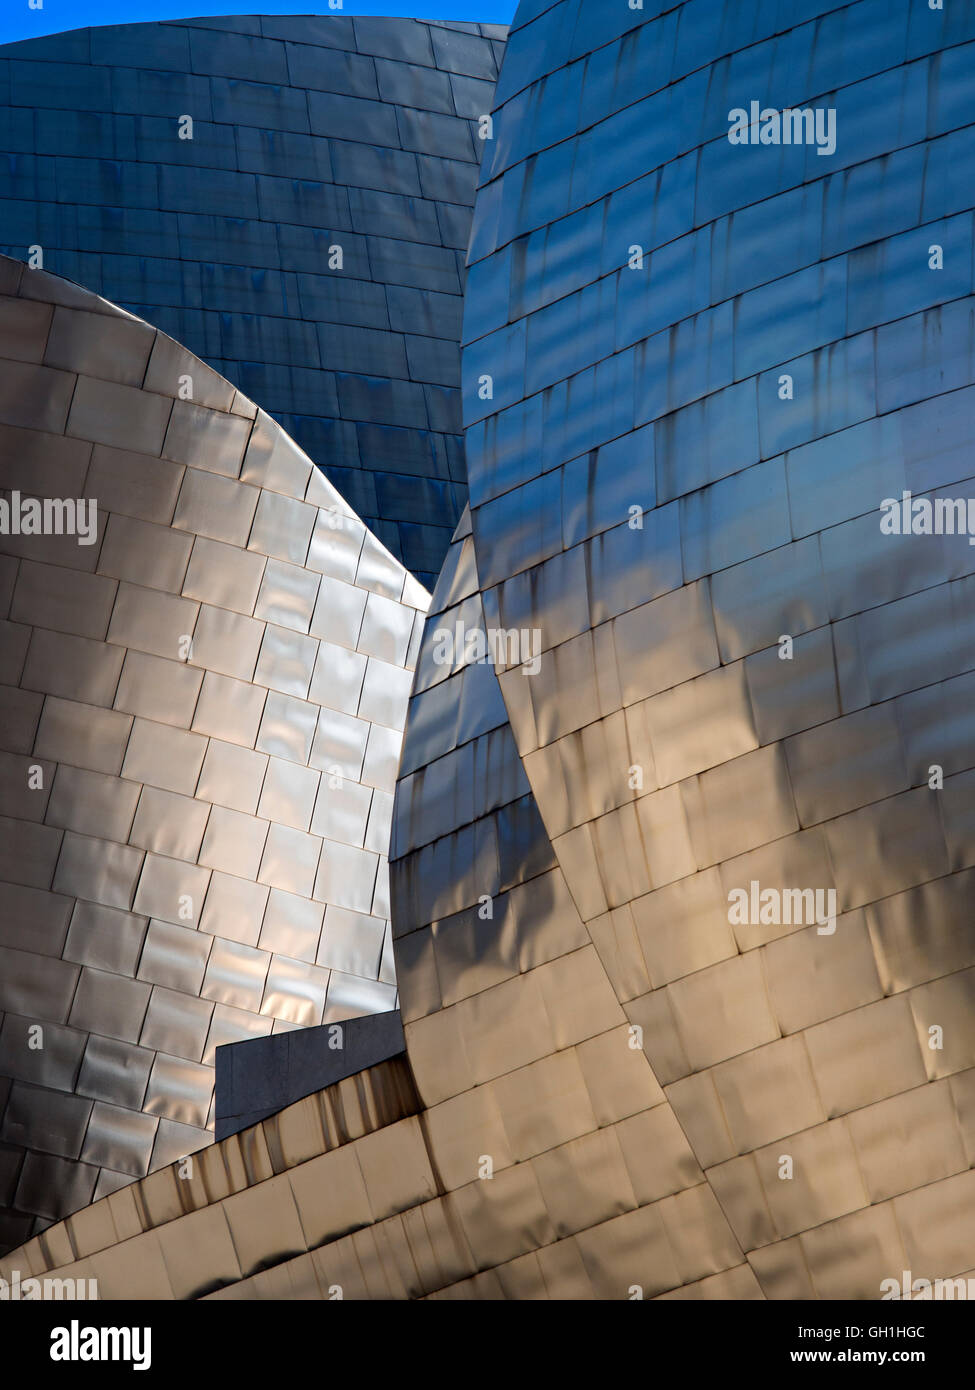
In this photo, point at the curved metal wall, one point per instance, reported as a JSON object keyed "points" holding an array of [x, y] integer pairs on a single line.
{"points": [[559, 1153], [613, 1068], [711, 364], [201, 724], [307, 133]]}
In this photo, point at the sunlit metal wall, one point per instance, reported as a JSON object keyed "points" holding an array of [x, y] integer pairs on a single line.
{"points": [[200, 715], [560, 1154], [350, 1193], [695, 373], [307, 134]]}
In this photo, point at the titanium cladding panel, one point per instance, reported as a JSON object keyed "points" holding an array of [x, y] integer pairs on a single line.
{"points": [[698, 375], [518, 1044], [290, 197], [680, 885], [203, 689]]}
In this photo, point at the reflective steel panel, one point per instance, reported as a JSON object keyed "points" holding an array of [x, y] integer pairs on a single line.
{"points": [[181, 815], [766, 342], [292, 208]]}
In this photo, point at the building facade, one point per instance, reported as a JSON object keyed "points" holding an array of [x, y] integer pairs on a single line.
{"points": [[682, 831], [204, 684], [721, 295], [288, 197]]}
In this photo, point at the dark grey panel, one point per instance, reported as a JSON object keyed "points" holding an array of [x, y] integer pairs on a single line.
{"points": [[256, 1078]]}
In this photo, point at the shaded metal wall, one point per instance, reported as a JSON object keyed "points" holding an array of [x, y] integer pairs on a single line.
{"points": [[268, 1074], [307, 1201], [201, 725], [308, 133]]}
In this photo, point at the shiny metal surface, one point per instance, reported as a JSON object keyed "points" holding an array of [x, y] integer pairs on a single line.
{"points": [[520, 1046], [628, 1090], [312, 139], [648, 498], [348, 1159], [177, 822]]}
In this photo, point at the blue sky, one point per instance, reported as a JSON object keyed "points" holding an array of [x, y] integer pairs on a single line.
{"points": [[18, 21]]}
